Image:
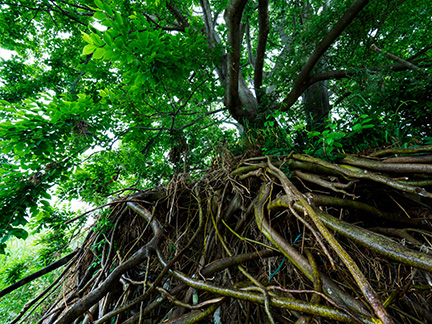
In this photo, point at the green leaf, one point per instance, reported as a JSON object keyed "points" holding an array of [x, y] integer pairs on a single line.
{"points": [[20, 147], [96, 39], [108, 9], [86, 38], [7, 149], [99, 15], [107, 23], [108, 39], [99, 53], [46, 204], [130, 59], [5, 238], [88, 49], [34, 210], [99, 4], [45, 195], [20, 233], [103, 93], [118, 18], [357, 128], [109, 54]]}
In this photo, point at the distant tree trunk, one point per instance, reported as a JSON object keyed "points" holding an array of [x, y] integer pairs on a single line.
{"points": [[316, 105], [315, 98]]}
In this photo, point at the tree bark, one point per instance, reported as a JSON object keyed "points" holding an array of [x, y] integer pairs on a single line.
{"points": [[316, 105], [238, 98], [264, 28]]}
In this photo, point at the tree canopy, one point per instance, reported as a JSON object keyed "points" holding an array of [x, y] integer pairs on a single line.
{"points": [[104, 98]]}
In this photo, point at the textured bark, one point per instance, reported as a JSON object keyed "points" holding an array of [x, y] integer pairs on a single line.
{"points": [[238, 99], [178, 15], [316, 105], [264, 28], [251, 57]]}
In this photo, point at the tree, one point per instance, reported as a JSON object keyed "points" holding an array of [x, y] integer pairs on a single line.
{"points": [[108, 98]]}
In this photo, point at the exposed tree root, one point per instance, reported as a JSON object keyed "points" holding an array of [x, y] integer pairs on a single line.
{"points": [[263, 240]]}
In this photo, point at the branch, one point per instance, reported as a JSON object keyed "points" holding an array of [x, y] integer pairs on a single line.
{"points": [[420, 53], [395, 58], [208, 21], [178, 15], [68, 14], [38, 274], [171, 129], [83, 7], [341, 74], [330, 38], [151, 20], [251, 58], [147, 148], [193, 92], [213, 38], [341, 98], [45, 8], [233, 15], [81, 73], [264, 28]]}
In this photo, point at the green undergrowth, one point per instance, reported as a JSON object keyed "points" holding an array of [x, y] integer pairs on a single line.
{"points": [[50, 239], [22, 259], [344, 133]]}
